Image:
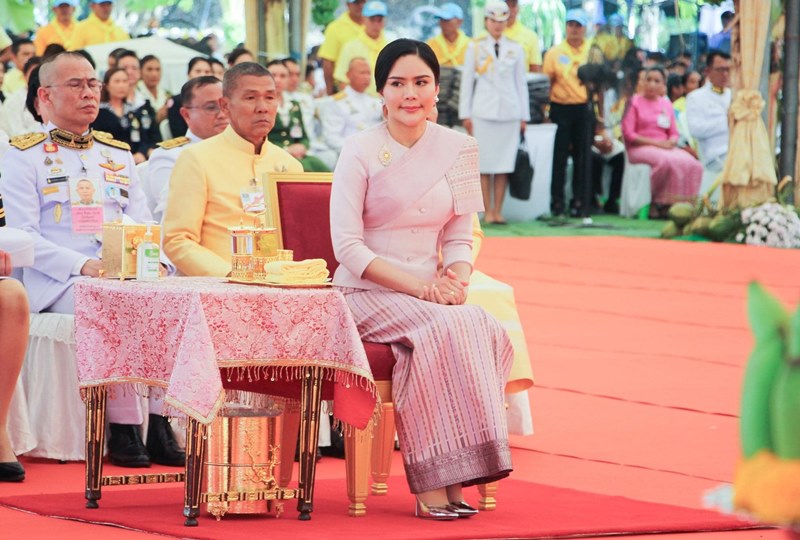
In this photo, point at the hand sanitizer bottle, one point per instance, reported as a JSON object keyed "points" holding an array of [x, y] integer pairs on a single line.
{"points": [[147, 258]]}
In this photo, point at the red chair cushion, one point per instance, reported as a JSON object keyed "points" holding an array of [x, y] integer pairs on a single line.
{"points": [[381, 360], [305, 220], [304, 209]]}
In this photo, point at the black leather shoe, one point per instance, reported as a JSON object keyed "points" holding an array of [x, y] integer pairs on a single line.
{"points": [[161, 443], [125, 446], [12, 471]]}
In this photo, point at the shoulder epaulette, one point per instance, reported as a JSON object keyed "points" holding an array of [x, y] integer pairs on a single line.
{"points": [[109, 140], [339, 95], [28, 140], [174, 143]]}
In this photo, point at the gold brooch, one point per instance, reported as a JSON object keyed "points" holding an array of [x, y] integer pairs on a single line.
{"points": [[385, 157]]}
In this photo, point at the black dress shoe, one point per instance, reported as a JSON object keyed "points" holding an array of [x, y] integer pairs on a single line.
{"points": [[12, 471], [161, 443], [125, 446]]}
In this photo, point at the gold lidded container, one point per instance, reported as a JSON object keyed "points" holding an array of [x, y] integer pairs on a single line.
{"points": [[244, 457], [241, 253]]}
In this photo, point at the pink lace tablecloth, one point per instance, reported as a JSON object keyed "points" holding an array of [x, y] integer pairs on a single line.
{"points": [[177, 333]]}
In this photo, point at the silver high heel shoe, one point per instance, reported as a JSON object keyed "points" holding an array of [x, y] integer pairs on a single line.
{"points": [[462, 509], [437, 513]]}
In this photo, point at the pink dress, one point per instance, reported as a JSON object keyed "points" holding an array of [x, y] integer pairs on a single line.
{"points": [[675, 174], [405, 205]]}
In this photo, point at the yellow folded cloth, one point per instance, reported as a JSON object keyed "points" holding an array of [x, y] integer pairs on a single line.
{"points": [[297, 272]]}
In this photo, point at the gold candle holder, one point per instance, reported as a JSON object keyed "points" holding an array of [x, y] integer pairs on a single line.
{"points": [[241, 253]]}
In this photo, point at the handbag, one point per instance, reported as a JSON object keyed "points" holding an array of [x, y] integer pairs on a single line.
{"points": [[520, 181]]}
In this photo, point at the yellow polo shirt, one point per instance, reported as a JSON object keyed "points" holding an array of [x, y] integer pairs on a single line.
{"points": [[561, 65], [529, 41], [93, 31], [13, 81], [449, 54], [205, 192], [54, 33], [361, 47], [337, 34]]}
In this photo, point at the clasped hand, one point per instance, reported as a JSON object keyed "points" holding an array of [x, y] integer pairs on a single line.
{"points": [[446, 289]]}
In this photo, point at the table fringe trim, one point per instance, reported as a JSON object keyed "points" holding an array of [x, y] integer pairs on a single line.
{"points": [[294, 373]]}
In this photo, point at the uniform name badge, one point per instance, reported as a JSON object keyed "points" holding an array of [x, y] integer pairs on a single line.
{"points": [[86, 200], [663, 121], [253, 199], [296, 131]]}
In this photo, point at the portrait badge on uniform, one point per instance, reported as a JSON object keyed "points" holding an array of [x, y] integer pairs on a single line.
{"points": [[87, 205], [563, 59], [50, 148], [663, 121]]}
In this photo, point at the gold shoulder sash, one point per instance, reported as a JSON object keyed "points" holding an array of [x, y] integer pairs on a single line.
{"points": [[109, 140], [28, 140], [339, 95], [174, 143]]}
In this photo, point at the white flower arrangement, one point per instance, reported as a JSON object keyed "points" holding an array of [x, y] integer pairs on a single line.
{"points": [[770, 224]]}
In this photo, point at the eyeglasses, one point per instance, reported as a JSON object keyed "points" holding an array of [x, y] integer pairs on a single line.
{"points": [[76, 85], [208, 108], [721, 69]]}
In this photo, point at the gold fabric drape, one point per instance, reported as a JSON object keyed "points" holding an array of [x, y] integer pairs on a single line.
{"points": [[749, 174]]}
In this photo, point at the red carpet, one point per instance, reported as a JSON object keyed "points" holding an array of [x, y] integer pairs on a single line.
{"points": [[638, 348], [527, 510]]}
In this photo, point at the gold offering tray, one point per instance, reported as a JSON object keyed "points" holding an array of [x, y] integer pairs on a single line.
{"points": [[282, 285]]}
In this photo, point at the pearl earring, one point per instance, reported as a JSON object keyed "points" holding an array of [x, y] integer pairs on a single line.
{"points": [[382, 102], [436, 100]]}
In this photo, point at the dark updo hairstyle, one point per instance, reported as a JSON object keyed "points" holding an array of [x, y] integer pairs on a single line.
{"points": [[33, 90], [395, 50]]}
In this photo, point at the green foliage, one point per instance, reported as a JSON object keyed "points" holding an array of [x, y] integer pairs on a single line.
{"points": [[322, 11], [140, 6]]}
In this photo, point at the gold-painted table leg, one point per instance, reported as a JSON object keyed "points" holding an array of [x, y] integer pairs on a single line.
{"points": [[487, 501], [196, 444], [95, 433], [310, 398]]}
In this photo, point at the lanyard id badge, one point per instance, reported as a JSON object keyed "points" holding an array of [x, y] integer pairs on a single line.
{"points": [[253, 198]]}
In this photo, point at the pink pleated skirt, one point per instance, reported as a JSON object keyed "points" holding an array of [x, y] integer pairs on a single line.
{"points": [[447, 385]]}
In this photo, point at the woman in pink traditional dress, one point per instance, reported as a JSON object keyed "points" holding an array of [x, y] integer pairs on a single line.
{"points": [[402, 192], [651, 137], [14, 339]]}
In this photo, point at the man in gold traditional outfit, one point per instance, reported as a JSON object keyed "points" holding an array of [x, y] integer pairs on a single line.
{"points": [[216, 182]]}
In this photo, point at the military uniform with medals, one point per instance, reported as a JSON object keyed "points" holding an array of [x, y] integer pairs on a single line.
{"points": [[289, 129], [348, 112], [37, 173]]}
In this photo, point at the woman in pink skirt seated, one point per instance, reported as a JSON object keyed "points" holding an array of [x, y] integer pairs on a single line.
{"points": [[651, 137], [403, 192]]}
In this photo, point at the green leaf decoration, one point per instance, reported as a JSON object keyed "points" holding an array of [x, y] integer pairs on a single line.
{"points": [[766, 314]]}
